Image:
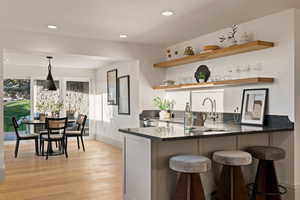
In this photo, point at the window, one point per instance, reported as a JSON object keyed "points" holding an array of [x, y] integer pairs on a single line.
{"points": [[17, 103], [45, 102], [77, 100]]}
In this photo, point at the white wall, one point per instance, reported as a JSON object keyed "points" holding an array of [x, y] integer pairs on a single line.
{"points": [[296, 136], [108, 120], [13, 71], [276, 62]]}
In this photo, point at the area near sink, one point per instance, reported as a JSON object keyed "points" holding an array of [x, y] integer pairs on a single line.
{"points": [[153, 146]]}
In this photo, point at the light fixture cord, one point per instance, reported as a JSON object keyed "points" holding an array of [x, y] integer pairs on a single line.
{"points": [[49, 66]]}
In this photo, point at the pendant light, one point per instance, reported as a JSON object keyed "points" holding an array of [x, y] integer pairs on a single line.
{"points": [[50, 85]]}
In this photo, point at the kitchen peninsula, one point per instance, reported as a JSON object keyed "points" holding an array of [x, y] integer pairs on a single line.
{"points": [[147, 151]]}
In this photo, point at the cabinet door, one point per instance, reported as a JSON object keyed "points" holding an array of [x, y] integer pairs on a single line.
{"points": [[199, 96]]}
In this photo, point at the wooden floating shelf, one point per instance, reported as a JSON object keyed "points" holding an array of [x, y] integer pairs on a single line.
{"points": [[246, 81], [227, 51]]}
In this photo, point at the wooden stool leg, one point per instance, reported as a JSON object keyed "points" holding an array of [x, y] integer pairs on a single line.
{"points": [[231, 184], [266, 181], [223, 186], [197, 192], [240, 191], [181, 187]]}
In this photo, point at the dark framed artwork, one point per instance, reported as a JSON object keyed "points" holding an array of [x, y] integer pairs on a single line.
{"points": [[254, 106], [112, 87], [124, 95]]}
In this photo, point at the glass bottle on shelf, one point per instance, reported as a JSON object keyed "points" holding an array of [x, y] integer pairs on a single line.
{"points": [[188, 117]]}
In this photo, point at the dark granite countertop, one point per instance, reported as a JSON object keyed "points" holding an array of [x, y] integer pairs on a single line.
{"points": [[176, 131], [172, 120]]}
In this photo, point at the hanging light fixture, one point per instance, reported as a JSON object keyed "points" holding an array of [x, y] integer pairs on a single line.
{"points": [[50, 85]]}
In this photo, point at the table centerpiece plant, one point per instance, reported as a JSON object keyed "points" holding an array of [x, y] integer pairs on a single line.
{"points": [[48, 104]]}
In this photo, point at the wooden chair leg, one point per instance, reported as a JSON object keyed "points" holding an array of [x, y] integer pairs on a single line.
{"points": [[78, 143], [82, 143], [48, 149], [197, 192], [65, 147], [17, 148], [43, 147], [182, 187], [36, 147]]}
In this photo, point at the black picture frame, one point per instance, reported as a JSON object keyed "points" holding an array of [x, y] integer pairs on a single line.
{"points": [[259, 97], [112, 87], [124, 95]]}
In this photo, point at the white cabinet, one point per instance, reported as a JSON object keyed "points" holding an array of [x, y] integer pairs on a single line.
{"points": [[199, 96], [137, 168]]}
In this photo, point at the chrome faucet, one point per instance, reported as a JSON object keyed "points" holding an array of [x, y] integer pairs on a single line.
{"points": [[213, 113]]}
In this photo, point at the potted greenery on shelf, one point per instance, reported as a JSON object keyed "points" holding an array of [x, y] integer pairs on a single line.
{"points": [[201, 77], [164, 106]]}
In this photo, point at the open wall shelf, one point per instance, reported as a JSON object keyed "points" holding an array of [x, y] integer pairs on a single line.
{"points": [[228, 51], [236, 82]]}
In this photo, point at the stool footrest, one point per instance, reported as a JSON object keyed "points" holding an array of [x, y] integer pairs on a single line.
{"points": [[283, 191]]}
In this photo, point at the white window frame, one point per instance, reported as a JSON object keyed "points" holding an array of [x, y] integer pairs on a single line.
{"points": [[62, 88]]}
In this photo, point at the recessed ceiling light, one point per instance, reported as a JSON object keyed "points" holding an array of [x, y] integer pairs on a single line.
{"points": [[123, 36], [167, 13], [52, 27]]}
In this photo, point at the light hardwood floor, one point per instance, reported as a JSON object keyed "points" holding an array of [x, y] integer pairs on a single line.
{"points": [[93, 175]]}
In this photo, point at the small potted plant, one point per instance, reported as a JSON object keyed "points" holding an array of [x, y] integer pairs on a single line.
{"points": [[164, 106], [42, 109], [201, 77], [56, 108]]}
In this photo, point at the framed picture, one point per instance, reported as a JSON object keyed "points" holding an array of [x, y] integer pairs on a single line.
{"points": [[254, 106], [112, 87], [124, 95]]}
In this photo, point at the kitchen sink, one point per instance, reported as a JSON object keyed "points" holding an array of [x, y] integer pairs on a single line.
{"points": [[208, 129], [214, 130]]}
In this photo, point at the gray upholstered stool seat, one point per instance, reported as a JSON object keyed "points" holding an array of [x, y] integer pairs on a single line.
{"points": [[266, 152], [232, 158], [190, 164]]}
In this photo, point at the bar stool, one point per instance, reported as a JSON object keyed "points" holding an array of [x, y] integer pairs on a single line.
{"points": [[266, 185], [231, 184], [189, 167]]}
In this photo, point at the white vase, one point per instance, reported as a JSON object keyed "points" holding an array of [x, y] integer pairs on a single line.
{"points": [[244, 38], [230, 42], [164, 115]]}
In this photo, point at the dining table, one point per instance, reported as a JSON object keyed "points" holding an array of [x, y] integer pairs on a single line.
{"points": [[39, 125], [43, 122]]}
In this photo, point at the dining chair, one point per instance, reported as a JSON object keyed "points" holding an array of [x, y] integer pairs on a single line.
{"points": [[53, 126], [20, 137], [78, 133]]}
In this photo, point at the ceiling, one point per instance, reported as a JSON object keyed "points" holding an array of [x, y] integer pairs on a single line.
{"points": [[140, 19], [30, 59]]}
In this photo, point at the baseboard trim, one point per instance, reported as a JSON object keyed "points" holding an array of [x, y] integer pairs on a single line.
{"points": [[113, 142]]}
